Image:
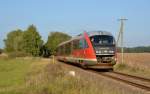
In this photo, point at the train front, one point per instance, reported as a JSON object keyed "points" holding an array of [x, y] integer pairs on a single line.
{"points": [[105, 48]]}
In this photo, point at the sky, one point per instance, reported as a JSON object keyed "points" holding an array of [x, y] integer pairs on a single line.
{"points": [[75, 16]]}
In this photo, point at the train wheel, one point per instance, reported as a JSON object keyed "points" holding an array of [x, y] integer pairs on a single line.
{"points": [[110, 70], [83, 66]]}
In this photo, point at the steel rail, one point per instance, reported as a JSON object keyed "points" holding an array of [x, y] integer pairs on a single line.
{"points": [[147, 88], [132, 76]]}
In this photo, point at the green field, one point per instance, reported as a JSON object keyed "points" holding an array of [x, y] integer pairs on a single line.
{"points": [[12, 72], [36, 76]]}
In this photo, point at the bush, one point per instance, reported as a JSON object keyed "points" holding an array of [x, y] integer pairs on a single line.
{"points": [[18, 54]]}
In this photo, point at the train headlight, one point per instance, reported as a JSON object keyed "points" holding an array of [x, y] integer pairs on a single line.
{"points": [[105, 51], [111, 51], [98, 52]]}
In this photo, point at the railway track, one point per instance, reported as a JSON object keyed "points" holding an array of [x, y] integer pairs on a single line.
{"points": [[136, 77], [135, 81], [138, 82]]}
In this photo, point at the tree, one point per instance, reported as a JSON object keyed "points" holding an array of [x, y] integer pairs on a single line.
{"points": [[54, 39], [1, 50], [32, 41], [13, 41], [44, 52]]}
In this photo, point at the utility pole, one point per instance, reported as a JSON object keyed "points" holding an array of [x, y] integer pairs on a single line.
{"points": [[120, 36]]}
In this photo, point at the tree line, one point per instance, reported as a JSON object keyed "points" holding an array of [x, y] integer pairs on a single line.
{"points": [[139, 49], [29, 42]]}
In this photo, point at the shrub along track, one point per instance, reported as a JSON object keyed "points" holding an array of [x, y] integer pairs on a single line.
{"points": [[135, 81]]}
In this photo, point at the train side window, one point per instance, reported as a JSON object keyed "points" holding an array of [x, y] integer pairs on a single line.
{"points": [[58, 51], [76, 44], [68, 48], [73, 45], [63, 49]]}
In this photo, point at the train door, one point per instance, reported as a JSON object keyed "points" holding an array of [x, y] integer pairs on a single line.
{"points": [[81, 47]]}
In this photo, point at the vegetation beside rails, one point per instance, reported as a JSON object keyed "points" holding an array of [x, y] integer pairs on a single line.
{"points": [[40, 76], [132, 70], [35, 76]]}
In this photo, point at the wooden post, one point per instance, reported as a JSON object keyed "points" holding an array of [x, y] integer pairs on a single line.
{"points": [[53, 57]]}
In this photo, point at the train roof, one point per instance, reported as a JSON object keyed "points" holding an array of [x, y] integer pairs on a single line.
{"points": [[73, 38], [91, 33]]}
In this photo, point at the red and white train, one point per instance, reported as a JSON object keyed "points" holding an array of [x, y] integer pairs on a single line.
{"points": [[90, 50]]}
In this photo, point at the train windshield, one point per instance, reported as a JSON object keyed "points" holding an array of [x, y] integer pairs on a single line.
{"points": [[102, 40]]}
